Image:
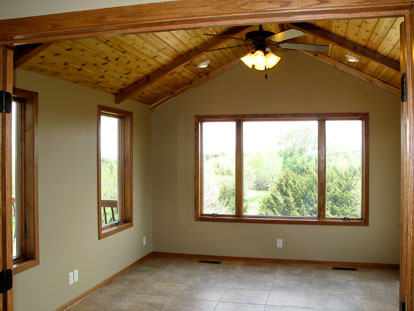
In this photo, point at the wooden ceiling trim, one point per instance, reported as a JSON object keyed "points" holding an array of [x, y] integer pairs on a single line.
{"points": [[181, 61], [356, 73], [162, 102], [346, 44], [23, 53], [187, 14]]}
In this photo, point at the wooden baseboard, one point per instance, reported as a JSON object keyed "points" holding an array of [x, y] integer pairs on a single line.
{"points": [[103, 283], [285, 261]]}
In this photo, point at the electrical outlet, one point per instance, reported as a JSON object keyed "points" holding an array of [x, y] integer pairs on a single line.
{"points": [[144, 240], [279, 243], [70, 278], [75, 275]]}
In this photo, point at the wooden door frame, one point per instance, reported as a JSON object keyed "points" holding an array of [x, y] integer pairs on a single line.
{"points": [[187, 14]]}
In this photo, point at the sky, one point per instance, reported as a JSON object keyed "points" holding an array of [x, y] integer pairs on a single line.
{"points": [[259, 136], [109, 137]]}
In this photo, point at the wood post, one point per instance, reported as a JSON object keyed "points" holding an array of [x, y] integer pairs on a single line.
{"points": [[6, 253]]}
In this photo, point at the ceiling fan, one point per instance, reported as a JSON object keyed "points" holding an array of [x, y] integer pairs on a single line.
{"points": [[262, 41]]}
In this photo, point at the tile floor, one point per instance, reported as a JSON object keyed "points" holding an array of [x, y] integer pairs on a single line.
{"points": [[186, 285]]}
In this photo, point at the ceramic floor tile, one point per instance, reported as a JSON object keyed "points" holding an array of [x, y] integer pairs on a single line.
{"points": [[231, 306], [338, 302], [181, 304], [161, 289], [291, 299], [244, 295], [279, 308], [375, 304], [203, 292]]}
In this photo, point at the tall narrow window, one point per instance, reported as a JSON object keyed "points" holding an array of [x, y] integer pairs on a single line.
{"points": [[24, 180], [343, 168], [114, 170], [219, 174]]}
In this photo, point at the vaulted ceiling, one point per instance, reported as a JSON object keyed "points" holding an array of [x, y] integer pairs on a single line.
{"points": [[154, 68]]}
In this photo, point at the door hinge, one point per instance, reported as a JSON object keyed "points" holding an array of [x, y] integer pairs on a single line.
{"points": [[5, 102], [6, 280], [404, 87], [402, 306]]}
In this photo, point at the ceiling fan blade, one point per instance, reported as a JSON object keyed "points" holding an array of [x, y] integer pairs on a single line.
{"points": [[223, 36], [227, 47], [305, 47], [286, 35]]}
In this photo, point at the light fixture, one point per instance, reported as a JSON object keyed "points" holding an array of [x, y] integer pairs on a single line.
{"points": [[351, 59], [203, 64], [260, 61]]}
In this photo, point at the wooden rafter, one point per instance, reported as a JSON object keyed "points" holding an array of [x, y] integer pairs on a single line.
{"points": [[23, 53], [176, 64], [347, 45], [186, 88], [355, 72]]}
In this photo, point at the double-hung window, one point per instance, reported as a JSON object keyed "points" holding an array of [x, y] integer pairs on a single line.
{"points": [[114, 170], [25, 233], [296, 168]]}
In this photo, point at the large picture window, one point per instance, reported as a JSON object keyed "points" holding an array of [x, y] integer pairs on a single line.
{"points": [[114, 170], [298, 168]]}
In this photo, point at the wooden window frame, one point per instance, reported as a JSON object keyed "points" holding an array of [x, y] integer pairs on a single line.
{"points": [[27, 181], [320, 219], [125, 171]]}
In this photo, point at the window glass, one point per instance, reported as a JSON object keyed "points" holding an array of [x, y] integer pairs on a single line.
{"points": [[109, 170], [219, 162], [15, 209], [343, 168], [280, 168]]}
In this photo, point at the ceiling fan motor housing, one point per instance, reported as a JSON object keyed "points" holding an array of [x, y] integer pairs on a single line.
{"points": [[258, 37]]}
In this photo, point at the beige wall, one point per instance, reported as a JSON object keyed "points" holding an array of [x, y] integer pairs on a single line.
{"points": [[24, 8], [68, 195], [299, 84]]}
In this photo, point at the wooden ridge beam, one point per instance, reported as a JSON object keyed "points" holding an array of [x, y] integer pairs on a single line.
{"points": [[176, 64], [346, 44], [355, 72], [162, 102], [23, 53]]}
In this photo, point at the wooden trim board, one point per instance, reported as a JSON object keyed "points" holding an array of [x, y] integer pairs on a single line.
{"points": [[103, 283], [279, 260], [187, 14]]}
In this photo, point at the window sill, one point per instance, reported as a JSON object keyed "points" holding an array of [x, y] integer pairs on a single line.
{"points": [[108, 232], [23, 265], [286, 221]]}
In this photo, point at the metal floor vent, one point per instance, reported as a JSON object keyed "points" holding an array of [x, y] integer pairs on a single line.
{"points": [[344, 268], [210, 261]]}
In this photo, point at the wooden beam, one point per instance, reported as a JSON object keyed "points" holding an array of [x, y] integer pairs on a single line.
{"points": [[352, 71], [162, 102], [23, 53], [346, 44], [186, 14], [176, 64]]}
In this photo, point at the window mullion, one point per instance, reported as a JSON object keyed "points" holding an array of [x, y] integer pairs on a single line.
{"points": [[239, 168], [321, 169]]}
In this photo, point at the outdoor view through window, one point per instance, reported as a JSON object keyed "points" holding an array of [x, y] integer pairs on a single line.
{"points": [[109, 144], [15, 201], [280, 174]]}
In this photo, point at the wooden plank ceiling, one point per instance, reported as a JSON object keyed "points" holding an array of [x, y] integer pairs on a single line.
{"points": [[154, 68]]}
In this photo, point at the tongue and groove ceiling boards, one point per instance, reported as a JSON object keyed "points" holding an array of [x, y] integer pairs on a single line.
{"points": [[154, 68]]}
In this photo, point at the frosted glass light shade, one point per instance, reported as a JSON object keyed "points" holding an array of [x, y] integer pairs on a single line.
{"points": [[271, 60], [248, 60]]}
